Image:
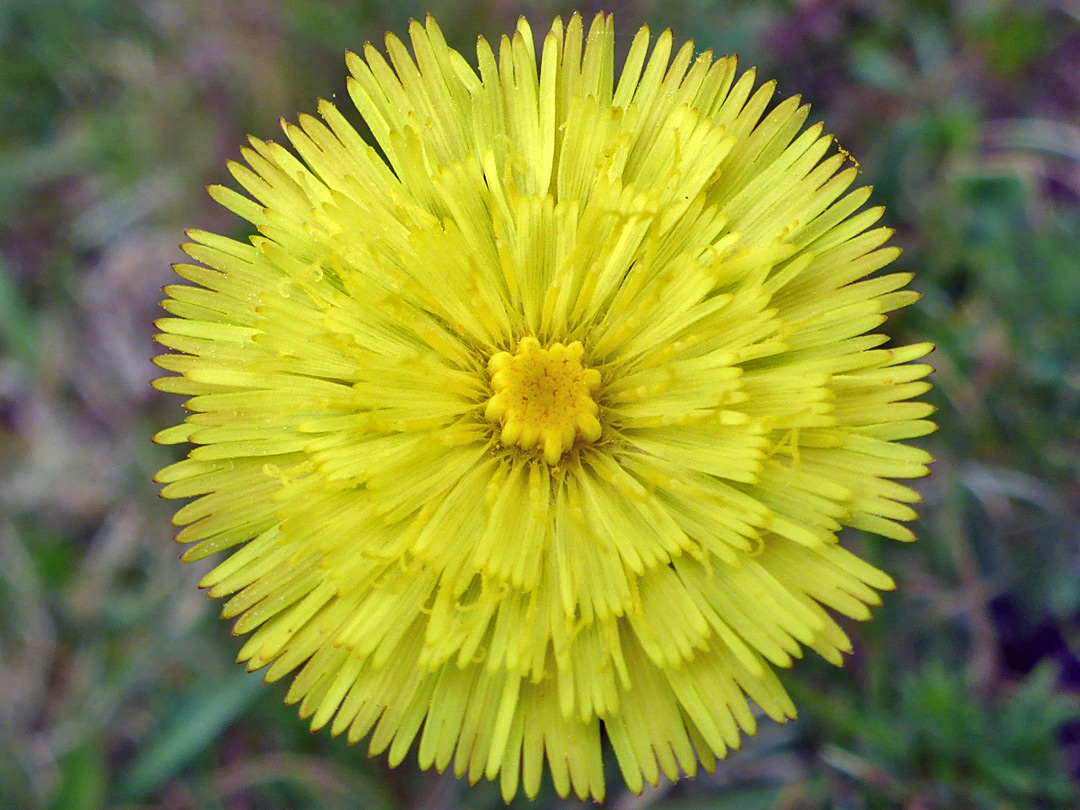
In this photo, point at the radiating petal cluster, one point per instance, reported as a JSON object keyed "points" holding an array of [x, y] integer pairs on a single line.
{"points": [[541, 428]]}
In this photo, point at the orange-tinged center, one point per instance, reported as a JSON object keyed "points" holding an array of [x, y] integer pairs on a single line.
{"points": [[543, 398]]}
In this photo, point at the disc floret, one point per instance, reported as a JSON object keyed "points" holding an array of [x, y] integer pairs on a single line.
{"points": [[544, 398]]}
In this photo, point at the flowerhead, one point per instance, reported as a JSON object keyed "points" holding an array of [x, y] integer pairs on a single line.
{"points": [[539, 425]]}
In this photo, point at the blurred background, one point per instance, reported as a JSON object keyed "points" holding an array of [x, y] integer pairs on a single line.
{"points": [[117, 681]]}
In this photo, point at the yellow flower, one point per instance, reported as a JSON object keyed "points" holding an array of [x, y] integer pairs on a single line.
{"points": [[542, 427]]}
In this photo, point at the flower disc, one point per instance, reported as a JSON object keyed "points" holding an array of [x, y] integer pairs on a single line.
{"points": [[541, 428]]}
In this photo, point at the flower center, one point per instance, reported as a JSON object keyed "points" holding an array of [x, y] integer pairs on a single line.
{"points": [[543, 398]]}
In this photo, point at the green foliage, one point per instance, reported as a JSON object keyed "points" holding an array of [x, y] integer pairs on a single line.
{"points": [[930, 738], [83, 779], [990, 755], [200, 715]]}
